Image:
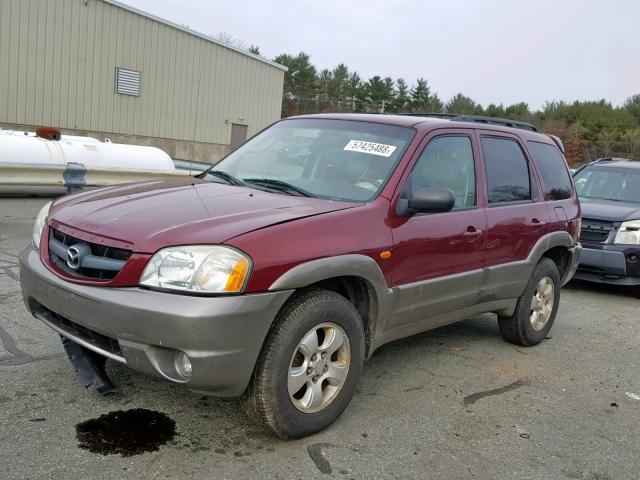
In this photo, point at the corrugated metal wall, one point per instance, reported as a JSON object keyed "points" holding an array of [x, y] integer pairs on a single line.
{"points": [[58, 61]]}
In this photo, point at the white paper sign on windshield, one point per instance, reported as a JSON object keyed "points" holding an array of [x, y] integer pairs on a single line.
{"points": [[369, 147]]}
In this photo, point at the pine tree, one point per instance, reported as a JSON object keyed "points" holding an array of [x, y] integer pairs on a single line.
{"points": [[420, 95], [463, 105], [401, 97]]}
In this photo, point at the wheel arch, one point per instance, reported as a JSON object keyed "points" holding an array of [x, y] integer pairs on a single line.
{"points": [[554, 245], [559, 247], [553, 241], [560, 256], [356, 277]]}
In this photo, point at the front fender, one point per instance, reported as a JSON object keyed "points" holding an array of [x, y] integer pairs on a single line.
{"points": [[352, 265]]}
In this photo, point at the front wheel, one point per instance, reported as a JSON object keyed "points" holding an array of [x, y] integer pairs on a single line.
{"points": [[309, 366], [536, 308]]}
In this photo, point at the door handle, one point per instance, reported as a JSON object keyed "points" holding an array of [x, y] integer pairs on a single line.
{"points": [[472, 232], [536, 223]]}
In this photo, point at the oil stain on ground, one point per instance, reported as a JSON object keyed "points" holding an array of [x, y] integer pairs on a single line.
{"points": [[473, 398], [127, 432], [315, 453]]}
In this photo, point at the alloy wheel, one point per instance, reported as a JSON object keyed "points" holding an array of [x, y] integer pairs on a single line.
{"points": [[319, 367], [542, 303]]}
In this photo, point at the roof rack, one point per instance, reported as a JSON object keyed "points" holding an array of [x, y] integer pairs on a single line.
{"points": [[477, 119], [427, 114], [496, 121]]}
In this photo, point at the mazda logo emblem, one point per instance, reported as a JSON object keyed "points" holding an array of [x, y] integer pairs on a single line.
{"points": [[73, 258]]}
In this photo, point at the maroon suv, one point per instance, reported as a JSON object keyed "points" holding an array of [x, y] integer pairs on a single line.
{"points": [[280, 270]]}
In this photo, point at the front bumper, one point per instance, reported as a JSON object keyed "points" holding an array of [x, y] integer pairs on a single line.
{"points": [[144, 329], [614, 264]]}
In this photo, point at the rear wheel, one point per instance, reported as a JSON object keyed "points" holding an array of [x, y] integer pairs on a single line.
{"points": [[310, 364], [536, 308]]}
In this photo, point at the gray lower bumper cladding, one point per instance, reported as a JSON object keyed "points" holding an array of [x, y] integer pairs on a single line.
{"points": [[147, 330]]}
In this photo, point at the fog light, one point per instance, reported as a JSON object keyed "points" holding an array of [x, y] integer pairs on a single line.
{"points": [[183, 365]]}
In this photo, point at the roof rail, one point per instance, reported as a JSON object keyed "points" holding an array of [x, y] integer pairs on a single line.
{"points": [[456, 117], [495, 121], [427, 114]]}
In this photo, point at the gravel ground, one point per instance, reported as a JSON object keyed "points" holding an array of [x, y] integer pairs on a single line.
{"points": [[457, 402]]}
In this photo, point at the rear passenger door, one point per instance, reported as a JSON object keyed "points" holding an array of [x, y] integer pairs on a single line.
{"points": [[517, 216], [557, 186]]}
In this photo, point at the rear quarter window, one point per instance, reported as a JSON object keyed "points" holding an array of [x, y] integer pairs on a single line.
{"points": [[553, 170]]}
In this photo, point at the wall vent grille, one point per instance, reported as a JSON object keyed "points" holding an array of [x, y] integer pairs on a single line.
{"points": [[127, 82]]}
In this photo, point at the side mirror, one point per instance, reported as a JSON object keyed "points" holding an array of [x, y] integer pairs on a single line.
{"points": [[431, 200]]}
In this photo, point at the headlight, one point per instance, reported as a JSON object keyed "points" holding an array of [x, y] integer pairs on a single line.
{"points": [[38, 227], [629, 233], [197, 268]]}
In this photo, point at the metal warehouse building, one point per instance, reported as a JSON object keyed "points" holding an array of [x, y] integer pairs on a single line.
{"points": [[104, 69]]}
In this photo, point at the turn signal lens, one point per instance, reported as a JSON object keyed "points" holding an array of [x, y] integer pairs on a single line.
{"points": [[237, 276]]}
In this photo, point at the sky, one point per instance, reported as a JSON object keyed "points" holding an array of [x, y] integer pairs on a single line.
{"points": [[495, 51]]}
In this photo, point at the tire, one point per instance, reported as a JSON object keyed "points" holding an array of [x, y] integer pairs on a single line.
{"points": [[288, 351], [524, 327]]}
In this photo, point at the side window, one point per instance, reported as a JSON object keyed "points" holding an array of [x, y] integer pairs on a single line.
{"points": [[552, 168], [507, 170], [447, 162]]}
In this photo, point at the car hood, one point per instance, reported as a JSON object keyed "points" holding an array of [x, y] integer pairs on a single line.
{"points": [[145, 217], [611, 210]]}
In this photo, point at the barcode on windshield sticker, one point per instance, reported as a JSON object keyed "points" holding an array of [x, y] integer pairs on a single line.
{"points": [[370, 147]]}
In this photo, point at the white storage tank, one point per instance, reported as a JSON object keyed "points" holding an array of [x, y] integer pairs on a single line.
{"points": [[29, 148], [47, 163]]}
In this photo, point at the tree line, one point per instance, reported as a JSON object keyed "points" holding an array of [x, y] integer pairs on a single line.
{"points": [[589, 129]]}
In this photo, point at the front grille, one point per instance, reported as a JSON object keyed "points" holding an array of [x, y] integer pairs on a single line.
{"points": [[96, 339], [98, 262], [596, 231]]}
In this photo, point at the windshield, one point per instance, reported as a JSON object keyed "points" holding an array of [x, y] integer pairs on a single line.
{"points": [[333, 159], [618, 184]]}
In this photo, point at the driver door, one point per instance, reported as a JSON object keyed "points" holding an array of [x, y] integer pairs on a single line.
{"points": [[438, 258]]}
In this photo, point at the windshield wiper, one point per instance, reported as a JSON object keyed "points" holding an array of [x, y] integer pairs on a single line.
{"points": [[230, 179], [280, 186]]}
